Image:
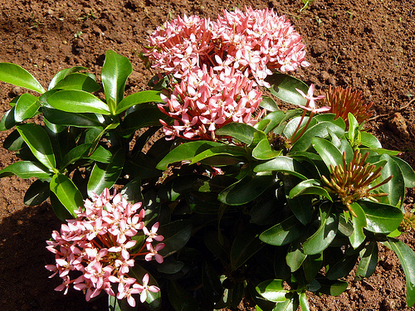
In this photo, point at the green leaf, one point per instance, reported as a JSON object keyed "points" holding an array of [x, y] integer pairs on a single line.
{"points": [[269, 104], [342, 268], [212, 286], [396, 186], [186, 152], [246, 189], [77, 101], [181, 299], [62, 74], [25, 169], [295, 256], [272, 290], [171, 190], [283, 233], [75, 154], [274, 118], [309, 186], [368, 260], [138, 98], [221, 155], [105, 175], [381, 218], [245, 245], [359, 222], [283, 164], [284, 87], [407, 258], [37, 193], [67, 193], [144, 115], [263, 151], [333, 288], [39, 143], [26, 107], [407, 172], [304, 302], [311, 266], [290, 304], [326, 232], [370, 141], [16, 75], [8, 121], [318, 130], [82, 120], [78, 81], [327, 151], [176, 234], [240, 131], [114, 75]]}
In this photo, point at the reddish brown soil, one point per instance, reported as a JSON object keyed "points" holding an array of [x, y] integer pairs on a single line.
{"points": [[367, 44]]}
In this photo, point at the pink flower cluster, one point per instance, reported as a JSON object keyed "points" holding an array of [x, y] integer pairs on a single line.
{"points": [[221, 64], [98, 245]]}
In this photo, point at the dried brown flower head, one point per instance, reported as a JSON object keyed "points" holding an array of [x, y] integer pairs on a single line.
{"points": [[342, 101], [351, 181], [408, 222]]}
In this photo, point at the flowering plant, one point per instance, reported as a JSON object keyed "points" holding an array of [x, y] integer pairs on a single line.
{"points": [[252, 201]]}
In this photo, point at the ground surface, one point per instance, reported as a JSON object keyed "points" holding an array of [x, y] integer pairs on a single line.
{"points": [[367, 44]]}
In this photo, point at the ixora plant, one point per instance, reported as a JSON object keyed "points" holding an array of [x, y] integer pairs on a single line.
{"points": [[243, 200]]}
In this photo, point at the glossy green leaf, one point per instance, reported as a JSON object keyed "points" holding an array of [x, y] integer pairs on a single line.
{"points": [[284, 87], [263, 151], [181, 299], [272, 290], [212, 286], [269, 104], [246, 190], [290, 304], [66, 192], [407, 258], [186, 152], [353, 133], [370, 141], [77, 101], [171, 190], [304, 302], [78, 81], [302, 208], [105, 175], [75, 154], [396, 186], [326, 232], [138, 98], [283, 164], [359, 222], [37, 193], [309, 186], [245, 245], [381, 218], [176, 234], [83, 120], [25, 169], [283, 233], [148, 115], [318, 130], [274, 118], [342, 268], [407, 172], [240, 131], [63, 73], [26, 107], [333, 288], [312, 265], [39, 143], [16, 75], [221, 155], [218, 248], [114, 75], [295, 256], [8, 121], [327, 151], [368, 260]]}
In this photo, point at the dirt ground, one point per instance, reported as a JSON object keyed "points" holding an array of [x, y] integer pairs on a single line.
{"points": [[366, 44]]}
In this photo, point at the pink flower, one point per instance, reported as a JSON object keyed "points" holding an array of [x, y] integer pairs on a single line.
{"points": [[144, 289], [98, 244], [311, 100]]}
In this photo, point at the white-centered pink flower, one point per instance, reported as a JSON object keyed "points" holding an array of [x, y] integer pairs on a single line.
{"points": [[311, 101], [99, 245]]}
